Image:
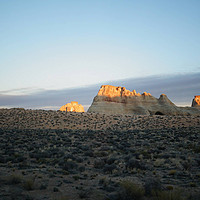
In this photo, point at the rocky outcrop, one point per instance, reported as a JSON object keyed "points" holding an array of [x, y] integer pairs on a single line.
{"points": [[72, 107], [196, 102], [118, 100]]}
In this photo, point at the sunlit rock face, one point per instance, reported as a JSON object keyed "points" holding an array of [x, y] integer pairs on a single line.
{"points": [[118, 100], [72, 107], [196, 102]]}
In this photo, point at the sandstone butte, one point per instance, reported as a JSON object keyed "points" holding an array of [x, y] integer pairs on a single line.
{"points": [[118, 100], [72, 107], [196, 102]]}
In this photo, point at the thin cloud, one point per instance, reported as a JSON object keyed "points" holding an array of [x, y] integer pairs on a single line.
{"points": [[22, 91]]}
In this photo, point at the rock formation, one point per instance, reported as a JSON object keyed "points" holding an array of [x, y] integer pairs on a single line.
{"points": [[118, 100], [72, 107], [196, 102]]}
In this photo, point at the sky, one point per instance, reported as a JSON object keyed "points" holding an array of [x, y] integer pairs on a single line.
{"points": [[61, 44]]}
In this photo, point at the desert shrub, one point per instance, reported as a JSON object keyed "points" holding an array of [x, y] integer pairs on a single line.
{"points": [[100, 153], [111, 160], [43, 186], [146, 155], [195, 148], [83, 194], [63, 198], [167, 195], [186, 165], [152, 184], [192, 184], [172, 172], [169, 187], [133, 163], [89, 153], [195, 196], [69, 166], [14, 179], [55, 189], [130, 191], [159, 162], [81, 168], [109, 168], [29, 184], [102, 181], [76, 178], [79, 159], [4, 159], [99, 163]]}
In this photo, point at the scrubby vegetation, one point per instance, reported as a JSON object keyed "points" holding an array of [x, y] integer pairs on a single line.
{"points": [[104, 164], [98, 157]]}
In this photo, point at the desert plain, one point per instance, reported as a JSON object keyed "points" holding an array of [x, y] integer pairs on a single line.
{"points": [[63, 155]]}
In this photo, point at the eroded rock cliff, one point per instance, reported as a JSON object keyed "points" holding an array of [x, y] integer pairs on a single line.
{"points": [[118, 100], [72, 107]]}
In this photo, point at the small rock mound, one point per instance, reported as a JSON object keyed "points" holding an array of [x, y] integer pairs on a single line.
{"points": [[196, 102], [72, 107]]}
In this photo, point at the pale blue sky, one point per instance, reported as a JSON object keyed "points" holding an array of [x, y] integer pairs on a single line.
{"points": [[56, 44]]}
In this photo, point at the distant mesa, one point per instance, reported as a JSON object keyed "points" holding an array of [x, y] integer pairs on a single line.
{"points": [[118, 100], [196, 102], [72, 107]]}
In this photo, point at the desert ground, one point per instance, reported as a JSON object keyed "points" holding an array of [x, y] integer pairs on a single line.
{"points": [[67, 156]]}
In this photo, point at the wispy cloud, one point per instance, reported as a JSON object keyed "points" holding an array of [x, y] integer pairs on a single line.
{"points": [[21, 91], [179, 88]]}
